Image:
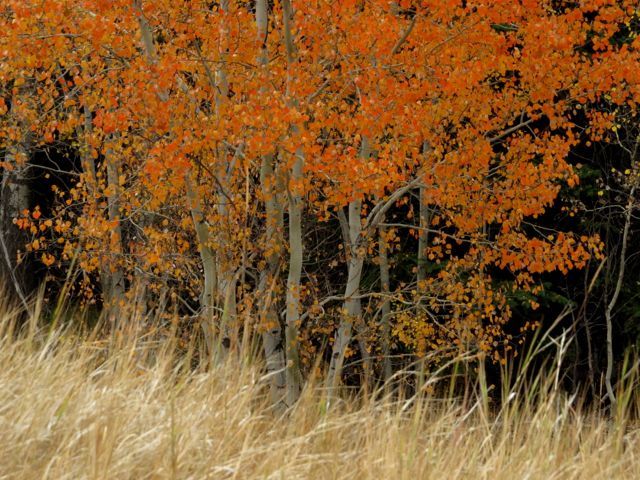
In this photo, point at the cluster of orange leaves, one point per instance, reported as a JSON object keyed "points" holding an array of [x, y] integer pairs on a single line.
{"points": [[474, 99]]}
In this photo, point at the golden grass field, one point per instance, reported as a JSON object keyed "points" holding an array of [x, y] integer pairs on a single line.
{"points": [[77, 406]]}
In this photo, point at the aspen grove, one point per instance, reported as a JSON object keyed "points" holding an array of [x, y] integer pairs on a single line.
{"points": [[346, 185]]}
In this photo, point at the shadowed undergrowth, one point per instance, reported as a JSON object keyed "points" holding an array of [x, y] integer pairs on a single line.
{"points": [[77, 405]]}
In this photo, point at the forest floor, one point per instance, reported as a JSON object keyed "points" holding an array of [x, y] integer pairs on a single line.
{"points": [[75, 406]]}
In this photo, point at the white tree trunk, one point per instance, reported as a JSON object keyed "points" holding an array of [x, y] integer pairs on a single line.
{"points": [[111, 276], [14, 198], [271, 330], [293, 284], [352, 305], [114, 294], [296, 247], [355, 247], [207, 256]]}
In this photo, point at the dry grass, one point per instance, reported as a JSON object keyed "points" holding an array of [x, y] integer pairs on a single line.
{"points": [[73, 407]]}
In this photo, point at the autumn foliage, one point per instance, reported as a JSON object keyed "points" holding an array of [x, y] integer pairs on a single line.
{"points": [[423, 139]]}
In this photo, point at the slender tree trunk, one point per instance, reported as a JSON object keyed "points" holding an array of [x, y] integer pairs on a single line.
{"points": [[227, 268], [271, 330], [352, 304], [207, 256], [424, 223], [386, 305], [228, 328], [277, 356], [614, 299], [90, 180], [14, 199], [111, 274], [116, 288], [352, 231], [272, 342], [590, 356], [296, 247], [423, 237], [293, 283]]}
